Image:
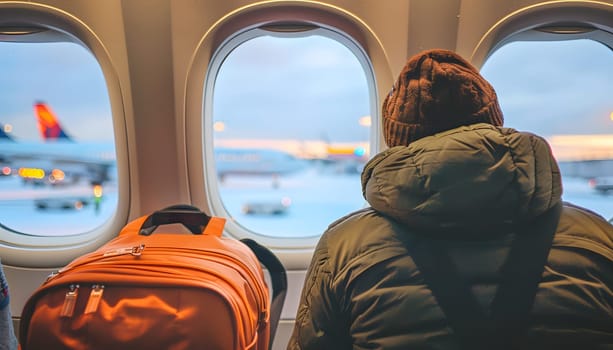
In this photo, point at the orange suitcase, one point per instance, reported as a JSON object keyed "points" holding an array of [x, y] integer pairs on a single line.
{"points": [[160, 291]]}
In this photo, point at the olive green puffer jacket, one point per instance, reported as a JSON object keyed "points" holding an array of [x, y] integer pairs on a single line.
{"points": [[364, 291]]}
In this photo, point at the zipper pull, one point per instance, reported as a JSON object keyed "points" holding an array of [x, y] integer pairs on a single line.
{"points": [[70, 300], [94, 298], [134, 251], [51, 276]]}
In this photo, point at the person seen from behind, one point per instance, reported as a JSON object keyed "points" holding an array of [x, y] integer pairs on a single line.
{"points": [[458, 203]]}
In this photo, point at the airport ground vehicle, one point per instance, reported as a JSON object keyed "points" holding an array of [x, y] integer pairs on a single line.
{"points": [[603, 184], [161, 59]]}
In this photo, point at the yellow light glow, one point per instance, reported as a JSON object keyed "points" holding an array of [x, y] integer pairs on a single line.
{"points": [[31, 173], [365, 121], [611, 116], [219, 126], [8, 128], [57, 175], [97, 191]]}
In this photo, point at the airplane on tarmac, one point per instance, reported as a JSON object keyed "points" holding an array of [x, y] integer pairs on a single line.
{"points": [[255, 162], [59, 159], [62, 160]]}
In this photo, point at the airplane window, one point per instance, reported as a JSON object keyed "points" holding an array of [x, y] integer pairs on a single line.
{"points": [[562, 90], [291, 129], [57, 154]]}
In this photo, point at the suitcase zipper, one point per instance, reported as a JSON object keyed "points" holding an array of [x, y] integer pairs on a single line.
{"points": [[94, 299], [137, 251], [70, 300]]}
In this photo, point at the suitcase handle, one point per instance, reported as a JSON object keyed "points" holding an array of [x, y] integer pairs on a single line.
{"points": [[189, 216]]}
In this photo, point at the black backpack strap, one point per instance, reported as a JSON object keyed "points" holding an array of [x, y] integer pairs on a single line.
{"points": [[464, 314], [278, 278], [521, 274]]}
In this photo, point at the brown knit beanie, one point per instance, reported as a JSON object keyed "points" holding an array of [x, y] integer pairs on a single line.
{"points": [[437, 90]]}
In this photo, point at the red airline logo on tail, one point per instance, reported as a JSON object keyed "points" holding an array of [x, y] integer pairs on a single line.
{"points": [[48, 124]]}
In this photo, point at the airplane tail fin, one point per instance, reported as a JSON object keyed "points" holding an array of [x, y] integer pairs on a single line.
{"points": [[3, 135], [48, 124]]}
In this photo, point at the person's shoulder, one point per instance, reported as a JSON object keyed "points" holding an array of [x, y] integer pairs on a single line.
{"points": [[583, 228], [579, 210], [358, 234], [352, 217], [363, 222]]}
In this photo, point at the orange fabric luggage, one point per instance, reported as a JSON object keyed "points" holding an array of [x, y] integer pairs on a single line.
{"points": [[160, 291]]}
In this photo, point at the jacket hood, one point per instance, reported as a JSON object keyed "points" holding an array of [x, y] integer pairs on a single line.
{"points": [[472, 177]]}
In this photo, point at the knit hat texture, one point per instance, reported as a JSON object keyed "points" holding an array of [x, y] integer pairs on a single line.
{"points": [[437, 90]]}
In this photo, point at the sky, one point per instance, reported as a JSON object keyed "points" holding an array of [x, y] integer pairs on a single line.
{"points": [[65, 76], [311, 88], [554, 88]]}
